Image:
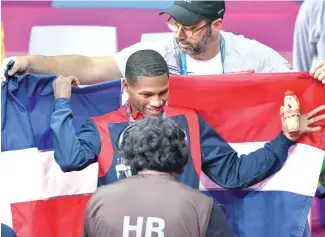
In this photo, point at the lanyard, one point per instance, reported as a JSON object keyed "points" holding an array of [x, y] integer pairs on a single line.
{"points": [[183, 63], [129, 114]]}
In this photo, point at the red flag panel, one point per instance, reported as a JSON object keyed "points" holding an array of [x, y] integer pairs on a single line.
{"points": [[248, 108], [55, 217]]}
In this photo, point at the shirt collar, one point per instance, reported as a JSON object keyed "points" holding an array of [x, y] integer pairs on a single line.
{"points": [[135, 115]]}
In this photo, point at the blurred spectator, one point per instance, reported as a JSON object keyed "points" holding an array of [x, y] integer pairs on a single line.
{"points": [[309, 35]]}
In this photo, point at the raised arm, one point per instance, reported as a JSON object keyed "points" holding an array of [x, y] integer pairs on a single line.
{"points": [[89, 70], [72, 152], [222, 164]]}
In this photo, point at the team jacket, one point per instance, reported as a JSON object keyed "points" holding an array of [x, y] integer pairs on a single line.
{"points": [[96, 142]]}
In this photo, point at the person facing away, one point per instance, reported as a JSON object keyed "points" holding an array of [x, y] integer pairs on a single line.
{"points": [[146, 83], [148, 201], [199, 46]]}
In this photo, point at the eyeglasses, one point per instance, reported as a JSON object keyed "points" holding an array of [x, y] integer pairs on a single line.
{"points": [[174, 26]]}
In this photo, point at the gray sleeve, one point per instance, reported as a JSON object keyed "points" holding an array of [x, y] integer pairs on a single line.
{"points": [[321, 31], [269, 60], [309, 35], [302, 49]]}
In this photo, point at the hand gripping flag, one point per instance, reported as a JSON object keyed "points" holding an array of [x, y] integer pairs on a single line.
{"points": [[39, 200]]}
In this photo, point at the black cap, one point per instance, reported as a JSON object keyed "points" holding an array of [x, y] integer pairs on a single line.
{"points": [[189, 12]]}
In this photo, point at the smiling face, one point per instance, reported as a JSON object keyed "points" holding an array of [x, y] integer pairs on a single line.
{"points": [[146, 82], [148, 95]]}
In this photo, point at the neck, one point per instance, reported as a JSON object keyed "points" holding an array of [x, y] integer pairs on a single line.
{"points": [[132, 108], [154, 172], [212, 51]]}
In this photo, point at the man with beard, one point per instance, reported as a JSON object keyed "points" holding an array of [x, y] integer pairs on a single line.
{"points": [[199, 47]]}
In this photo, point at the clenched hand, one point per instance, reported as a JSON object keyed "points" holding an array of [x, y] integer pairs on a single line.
{"points": [[62, 86]]}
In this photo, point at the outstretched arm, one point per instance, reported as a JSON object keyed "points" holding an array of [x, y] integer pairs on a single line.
{"points": [[222, 164], [89, 70]]}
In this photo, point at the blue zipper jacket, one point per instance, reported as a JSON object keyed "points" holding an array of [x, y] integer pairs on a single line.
{"points": [[96, 142]]}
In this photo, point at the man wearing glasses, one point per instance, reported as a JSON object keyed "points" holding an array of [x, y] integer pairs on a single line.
{"points": [[199, 47]]}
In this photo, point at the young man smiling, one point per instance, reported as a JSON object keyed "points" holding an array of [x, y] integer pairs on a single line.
{"points": [[146, 83]]}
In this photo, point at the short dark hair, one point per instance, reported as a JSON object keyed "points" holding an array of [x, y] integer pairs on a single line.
{"points": [[145, 63], [156, 144]]}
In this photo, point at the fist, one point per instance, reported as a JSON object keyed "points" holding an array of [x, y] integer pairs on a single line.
{"points": [[20, 66], [62, 86]]}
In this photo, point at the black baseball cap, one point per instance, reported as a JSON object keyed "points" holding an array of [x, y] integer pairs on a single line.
{"points": [[189, 12]]}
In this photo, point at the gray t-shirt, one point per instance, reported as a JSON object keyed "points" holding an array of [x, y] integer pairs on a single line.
{"points": [[153, 205]]}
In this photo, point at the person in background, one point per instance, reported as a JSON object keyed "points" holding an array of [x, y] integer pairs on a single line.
{"points": [[309, 35], [148, 201], [199, 47]]}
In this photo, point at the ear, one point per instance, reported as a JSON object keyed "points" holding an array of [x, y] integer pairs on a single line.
{"points": [[216, 25], [125, 85]]}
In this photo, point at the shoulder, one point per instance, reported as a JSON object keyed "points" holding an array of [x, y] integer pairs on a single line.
{"points": [[174, 111], [262, 57], [239, 43], [242, 45], [116, 116], [186, 192], [308, 7], [312, 13], [163, 46], [104, 194]]}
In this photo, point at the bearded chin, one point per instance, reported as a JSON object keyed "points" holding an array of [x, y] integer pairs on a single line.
{"points": [[192, 51], [199, 47]]}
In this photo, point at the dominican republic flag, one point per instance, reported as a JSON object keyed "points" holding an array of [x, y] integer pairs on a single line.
{"points": [[38, 199]]}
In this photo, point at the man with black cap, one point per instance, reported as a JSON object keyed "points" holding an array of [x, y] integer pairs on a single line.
{"points": [[148, 201], [199, 47]]}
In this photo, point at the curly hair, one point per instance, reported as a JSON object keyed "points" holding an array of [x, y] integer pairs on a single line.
{"points": [[156, 144]]}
